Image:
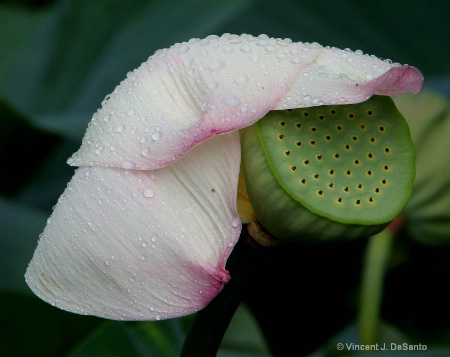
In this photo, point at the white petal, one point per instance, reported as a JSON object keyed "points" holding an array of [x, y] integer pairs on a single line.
{"points": [[192, 91], [138, 245]]}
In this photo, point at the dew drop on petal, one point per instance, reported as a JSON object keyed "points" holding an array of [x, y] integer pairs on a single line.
{"points": [[156, 135], [241, 79], [232, 101], [254, 57], [128, 165], [216, 65], [188, 61], [213, 85], [184, 49], [146, 152], [236, 222], [148, 192], [246, 48], [120, 128], [262, 42]]}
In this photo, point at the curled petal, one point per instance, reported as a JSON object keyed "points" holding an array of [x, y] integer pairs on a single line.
{"points": [[185, 94], [134, 245]]}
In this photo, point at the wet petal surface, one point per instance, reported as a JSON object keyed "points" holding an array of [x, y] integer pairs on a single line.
{"points": [[185, 94], [132, 245]]}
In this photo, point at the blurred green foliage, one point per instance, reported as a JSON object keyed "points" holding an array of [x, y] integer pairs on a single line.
{"points": [[58, 60]]}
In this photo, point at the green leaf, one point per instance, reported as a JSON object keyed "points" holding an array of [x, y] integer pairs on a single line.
{"points": [[62, 65], [73, 61], [19, 140], [428, 211], [243, 337], [112, 338], [31, 327], [20, 230]]}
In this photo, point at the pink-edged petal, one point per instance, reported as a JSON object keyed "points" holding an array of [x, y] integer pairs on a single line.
{"points": [[185, 94], [142, 245]]}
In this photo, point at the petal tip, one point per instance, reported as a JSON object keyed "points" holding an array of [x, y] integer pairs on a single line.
{"points": [[399, 80]]}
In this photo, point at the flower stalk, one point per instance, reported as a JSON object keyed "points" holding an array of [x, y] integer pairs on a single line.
{"points": [[377, 256], [211, 323]]}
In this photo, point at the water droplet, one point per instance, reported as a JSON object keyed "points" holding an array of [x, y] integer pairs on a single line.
{"points": [[106, 262], [157, 135], [296, 60], [254, 57], [213, 85], [148, 192], [128, 165], [184, 49], [216, 65], [146, 152], [143, 244], [143, 140], [188, 61], [241, 79], [236, 222], [120, 129], [143, 257], [232, 101], [204, 53], [154, 239], [246, 48], [158, 317], [130, 113], [261, 43]]}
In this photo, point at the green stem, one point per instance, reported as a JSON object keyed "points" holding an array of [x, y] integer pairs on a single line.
{"points": [[377, 255], [209, 325]]}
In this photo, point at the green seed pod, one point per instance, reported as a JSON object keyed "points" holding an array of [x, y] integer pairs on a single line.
{"points": [[329, 172]]}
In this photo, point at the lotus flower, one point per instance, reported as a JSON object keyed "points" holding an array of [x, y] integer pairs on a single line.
{"points": [[144, 228]]}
